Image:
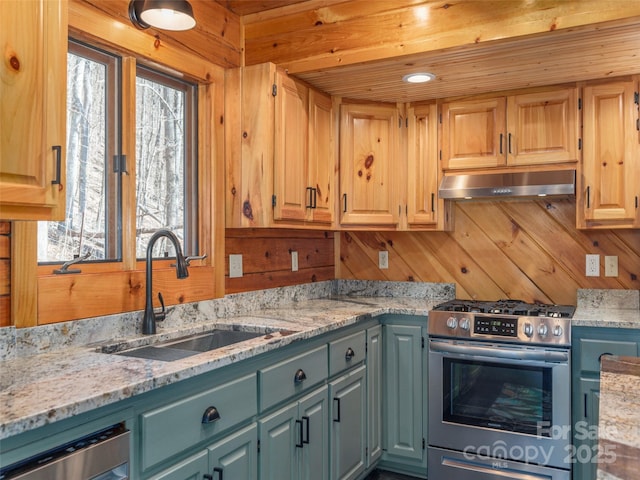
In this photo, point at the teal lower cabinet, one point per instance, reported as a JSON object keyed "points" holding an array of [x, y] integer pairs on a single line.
{"points": [[236, 456], [294, 440], [348, 422], [405, 395], [374, 395], [588, 345], [192, 468]]}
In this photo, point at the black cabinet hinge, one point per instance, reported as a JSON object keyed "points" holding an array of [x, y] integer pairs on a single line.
{"points": [[258, 444], [407, 122], [579, 144], [274, 90], [422, 338], [273, 201], [424, 444], [440, 118], [579, 104], [120, 164], [636, 98], [440, 154], [638, 124], [366, 345]]}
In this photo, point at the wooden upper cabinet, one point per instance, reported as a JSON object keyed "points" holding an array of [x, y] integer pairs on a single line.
{"points": [[370, 158], [33, 73], [473, 134], [528, 129], [609, 187], [291, 150], [322, 162], [423, 207], [542, 127]]}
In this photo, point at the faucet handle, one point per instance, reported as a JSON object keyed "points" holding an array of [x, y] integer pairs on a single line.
{"points": [[188, 260], [162, 314]]}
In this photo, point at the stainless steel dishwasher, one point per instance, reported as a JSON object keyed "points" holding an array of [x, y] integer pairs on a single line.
{"points": [[102, 455]]}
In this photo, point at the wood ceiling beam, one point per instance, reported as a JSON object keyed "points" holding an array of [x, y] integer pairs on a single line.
{"points": [[318, 35]]}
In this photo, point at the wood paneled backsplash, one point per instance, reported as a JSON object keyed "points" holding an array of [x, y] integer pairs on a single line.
{"points": [[526, 249], [266, 257]]}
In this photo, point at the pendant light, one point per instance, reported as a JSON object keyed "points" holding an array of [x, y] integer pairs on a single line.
{"points": [[176, 15]]}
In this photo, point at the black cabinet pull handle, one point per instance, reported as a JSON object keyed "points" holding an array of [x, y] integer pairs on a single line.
{"points": [[588, 197], [299, 376], [315, 198], [509, 144], [58, 150], [501, 135], [300, 443], [206, 476], [219, 471], [349, 354], [336, 399], [310, 197], [306, 429], [344, 200], [585, 406], [433, 202], [605, 354], [210, 415]]}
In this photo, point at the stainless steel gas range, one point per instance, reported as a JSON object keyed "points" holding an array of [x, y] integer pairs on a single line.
{"points": [[499, 391]]}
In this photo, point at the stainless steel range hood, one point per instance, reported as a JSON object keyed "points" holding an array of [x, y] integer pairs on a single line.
{"points": [[520, 184]]}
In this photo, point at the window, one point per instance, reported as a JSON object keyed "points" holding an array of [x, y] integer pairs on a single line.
{"points": [[92, 225], [166, 162]]}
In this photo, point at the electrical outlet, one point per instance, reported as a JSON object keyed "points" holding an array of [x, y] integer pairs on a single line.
{"points": [[593, 266], [294, 261], [235, 266], [383, 259], [610, 266]]}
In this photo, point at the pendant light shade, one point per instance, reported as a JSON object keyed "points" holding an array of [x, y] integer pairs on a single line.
{"points": [[176, 15]]}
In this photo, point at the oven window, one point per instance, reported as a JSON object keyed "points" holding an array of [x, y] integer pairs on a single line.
{"points": [[500, 396]]}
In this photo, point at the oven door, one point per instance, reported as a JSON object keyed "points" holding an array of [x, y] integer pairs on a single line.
{"points": [[500, 400]]}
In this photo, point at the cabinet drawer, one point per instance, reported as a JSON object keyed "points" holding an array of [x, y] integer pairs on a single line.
{"points": [[591, 350], [280, 382], [346, 352], [168, 430]]}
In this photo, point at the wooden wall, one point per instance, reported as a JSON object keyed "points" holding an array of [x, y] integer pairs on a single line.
{"points": [[5, 274], [525, 249], [266, 257]]}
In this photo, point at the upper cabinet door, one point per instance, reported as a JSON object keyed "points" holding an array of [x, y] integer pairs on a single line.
{"points": [[290, 150], [609, 190], [322, 158], [33, 73], [542, 127], [369, 160], [473, 134], [422, 166]]}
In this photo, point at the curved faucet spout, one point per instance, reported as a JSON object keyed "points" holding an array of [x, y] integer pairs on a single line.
{"points": [[150, 317]]}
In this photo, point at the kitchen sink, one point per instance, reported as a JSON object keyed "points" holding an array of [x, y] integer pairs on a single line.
{"points": [[184, 347]]}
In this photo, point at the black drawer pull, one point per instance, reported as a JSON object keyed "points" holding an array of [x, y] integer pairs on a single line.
{"points": [[210, 415], [349, 354], [337, 418], [218, 470], [58, 151], [605, 354], [299, 377], [306, 429]]}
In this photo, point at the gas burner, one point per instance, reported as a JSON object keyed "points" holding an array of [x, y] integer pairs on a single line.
{"points": [[508, 307]]}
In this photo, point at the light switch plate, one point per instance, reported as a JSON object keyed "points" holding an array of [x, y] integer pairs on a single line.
{"points": [[235, 266], [610, 266], [383, 259]]}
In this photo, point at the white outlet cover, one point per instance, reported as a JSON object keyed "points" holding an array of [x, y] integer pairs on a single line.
{"points": [[610, 266], [235, 266], [383, 259], [592, 266]]}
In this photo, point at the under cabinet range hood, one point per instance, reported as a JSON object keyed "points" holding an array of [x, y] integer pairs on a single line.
{"points": [[514, 184]]}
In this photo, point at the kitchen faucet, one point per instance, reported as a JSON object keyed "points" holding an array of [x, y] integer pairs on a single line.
{"points": [[150, 317]]}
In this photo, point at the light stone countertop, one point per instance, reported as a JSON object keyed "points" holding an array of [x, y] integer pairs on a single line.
{"points": [[40, 389], [54, 372], [619, 419]]}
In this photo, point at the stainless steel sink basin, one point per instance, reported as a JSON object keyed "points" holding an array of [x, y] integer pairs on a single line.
{"points": [[187, 346]]}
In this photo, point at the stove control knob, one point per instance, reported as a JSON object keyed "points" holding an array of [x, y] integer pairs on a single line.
{"points": [[465, 324], [557, 331], [543, 330], [528, 329], [452, 323]]}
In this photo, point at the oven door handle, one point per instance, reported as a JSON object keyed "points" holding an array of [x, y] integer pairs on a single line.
{"points": [[496, 352]]}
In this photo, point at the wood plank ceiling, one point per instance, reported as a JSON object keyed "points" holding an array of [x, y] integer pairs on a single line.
{"points": [[338, 45]]}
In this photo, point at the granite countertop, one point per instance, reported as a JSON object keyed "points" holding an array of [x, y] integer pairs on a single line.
{"points": [[50, 373], [619, 423], [40, 389]]}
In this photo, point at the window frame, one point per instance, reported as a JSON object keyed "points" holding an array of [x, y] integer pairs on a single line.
{"points": [[107, 288]]}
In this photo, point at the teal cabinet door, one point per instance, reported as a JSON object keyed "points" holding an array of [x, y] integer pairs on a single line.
{"points": [[313, 421], [584, 453], [236, 456], [279, 435], [348, 420], [374, 394], [403, 397], [193, 468]]}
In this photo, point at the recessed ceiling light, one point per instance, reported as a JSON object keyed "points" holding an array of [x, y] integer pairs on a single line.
{"points": [[419, 77]]}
